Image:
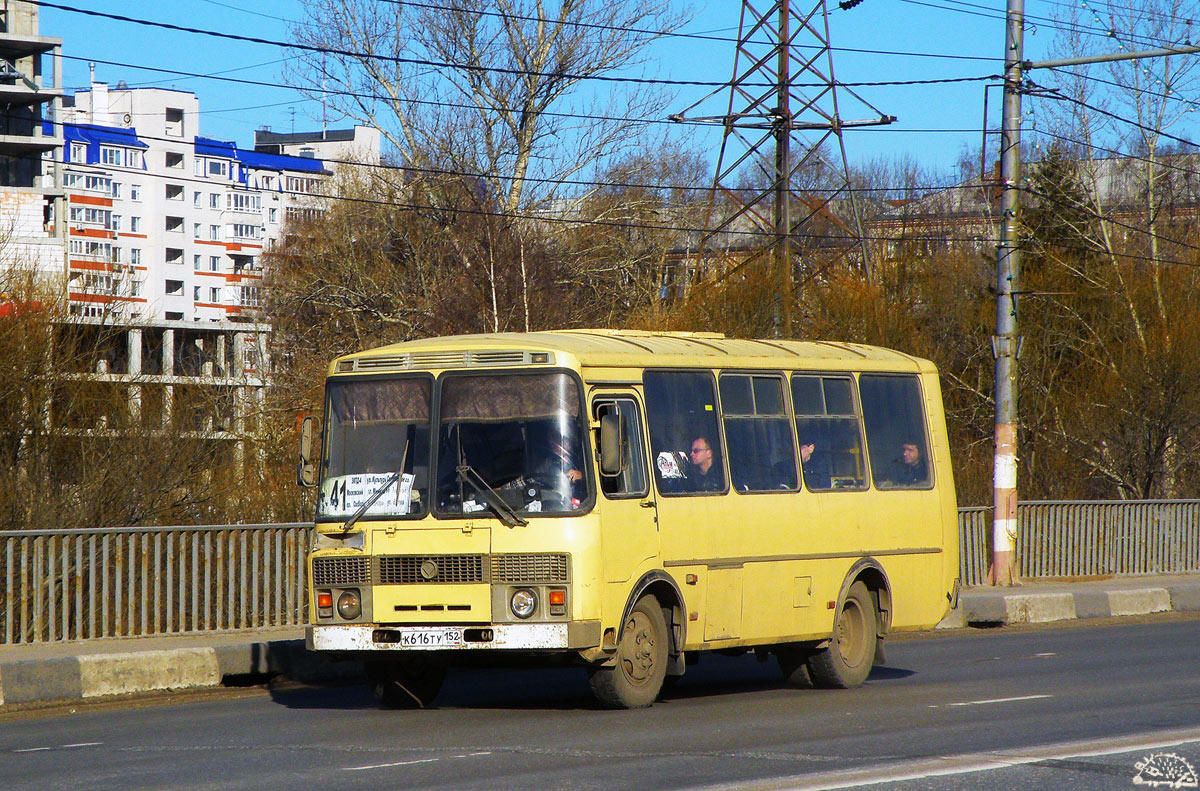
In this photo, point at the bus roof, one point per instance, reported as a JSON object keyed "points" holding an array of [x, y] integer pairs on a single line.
{"points": [[638, 349]]}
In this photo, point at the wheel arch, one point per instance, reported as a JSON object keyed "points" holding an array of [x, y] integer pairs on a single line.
{"points": [[664, 588], [870, 572]]}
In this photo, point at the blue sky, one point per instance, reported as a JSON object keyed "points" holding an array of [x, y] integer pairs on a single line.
{"points": [[936, 122]]}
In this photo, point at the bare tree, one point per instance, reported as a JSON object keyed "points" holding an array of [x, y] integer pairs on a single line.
{"points": [[493, 88]]}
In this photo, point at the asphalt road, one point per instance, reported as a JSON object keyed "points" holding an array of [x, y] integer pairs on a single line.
{"points": [[1062, 708]]}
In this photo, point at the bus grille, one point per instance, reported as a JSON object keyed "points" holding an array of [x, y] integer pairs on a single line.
{"points": [[529, 568], [414, 569], [341, 571]]}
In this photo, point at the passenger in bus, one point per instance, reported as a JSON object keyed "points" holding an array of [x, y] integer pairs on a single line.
{"points": [[557, 462], [908, 469], [817, 472], [703, 475]]}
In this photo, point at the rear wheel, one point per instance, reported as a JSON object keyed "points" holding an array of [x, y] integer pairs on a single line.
{"points": [[846, 662], [637, 676], [409, 683]]}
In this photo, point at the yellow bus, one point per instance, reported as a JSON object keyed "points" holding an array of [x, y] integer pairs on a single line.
{"points": [[622, 500]]}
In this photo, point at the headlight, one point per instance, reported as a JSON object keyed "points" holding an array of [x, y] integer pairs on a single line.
{"points": [[523, 603], [349, 605]]}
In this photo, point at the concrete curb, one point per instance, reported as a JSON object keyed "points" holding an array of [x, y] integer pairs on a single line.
{"points": [[1040, 604], [97, 675]]}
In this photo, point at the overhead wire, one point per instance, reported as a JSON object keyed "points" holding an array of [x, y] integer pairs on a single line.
{"points": [[385, 166]]}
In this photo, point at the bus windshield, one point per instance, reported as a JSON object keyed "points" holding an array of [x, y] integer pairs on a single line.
{"points": [[376, 438], [519, 435]]}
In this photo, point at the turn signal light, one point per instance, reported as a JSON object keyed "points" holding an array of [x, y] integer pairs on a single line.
{"points": [[324, 600], [557, 599]]}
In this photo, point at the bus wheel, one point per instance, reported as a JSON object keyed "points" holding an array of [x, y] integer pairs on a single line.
{"points": [[847, 661], [408, 683], [791, 659], [636, 678]]}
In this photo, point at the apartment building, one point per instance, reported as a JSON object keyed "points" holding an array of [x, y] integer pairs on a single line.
{"points": [[164, 223]]}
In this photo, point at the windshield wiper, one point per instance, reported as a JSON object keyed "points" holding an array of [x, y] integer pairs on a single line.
{"points": [[395, 476], [362, 509], [508, 516]]}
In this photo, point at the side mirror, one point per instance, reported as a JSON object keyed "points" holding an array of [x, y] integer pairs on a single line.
{"points": [[306, 470], [612, 441]]}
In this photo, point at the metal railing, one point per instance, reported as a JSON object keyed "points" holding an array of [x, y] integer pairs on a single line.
{"points": [[61, 585], [69, 584], [1085, 538]]}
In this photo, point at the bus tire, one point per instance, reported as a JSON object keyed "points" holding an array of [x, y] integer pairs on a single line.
{"points": [[792, 660], [635, 679], [846, 662], [409, 683]]}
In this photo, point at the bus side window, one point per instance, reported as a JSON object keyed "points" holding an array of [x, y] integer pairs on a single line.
{"points": [[829, 433], [631, 482], [681, 414], [895, 421], [758, 434]]}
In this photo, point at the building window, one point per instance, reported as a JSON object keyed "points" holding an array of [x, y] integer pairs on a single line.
{"points": [[196, 259], [214, 232], [135, 256], [214, 263], [195, 293], [245, 231], [133, 159], [116, 190], [214, 295], [214, 201], [135, 192], [196, 230], [174, 288], [110, 156], [174, 192], [174, 159], [218, 167], [273, 215], [303, 185], [174, 122], [196, 199], [243, 202], [174, 224], [88, 215], [174, 256], [116, 222], [79, 152], [135, 224], [249, 296]]}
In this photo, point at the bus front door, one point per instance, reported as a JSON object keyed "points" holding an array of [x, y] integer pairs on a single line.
{"points": [[629, 514]]}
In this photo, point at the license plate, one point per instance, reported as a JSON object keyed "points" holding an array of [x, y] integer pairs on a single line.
{"points": [[430, 638]]}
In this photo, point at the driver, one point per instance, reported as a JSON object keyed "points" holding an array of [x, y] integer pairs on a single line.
{"points": [[557, 463]]}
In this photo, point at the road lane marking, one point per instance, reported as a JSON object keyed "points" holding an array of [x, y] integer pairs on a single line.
{"points": [[948, 765], [60, 747], [386, 766], [990, 700], [408, 763]]}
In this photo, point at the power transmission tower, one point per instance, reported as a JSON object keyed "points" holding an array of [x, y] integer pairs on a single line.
{"points": [[783, 86]]}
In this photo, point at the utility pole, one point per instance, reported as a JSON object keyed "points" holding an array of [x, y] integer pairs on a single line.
{"points": [[1006, 343], [766, 112]]}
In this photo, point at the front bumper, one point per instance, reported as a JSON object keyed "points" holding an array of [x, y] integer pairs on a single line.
{"points": [[572, 635]]}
